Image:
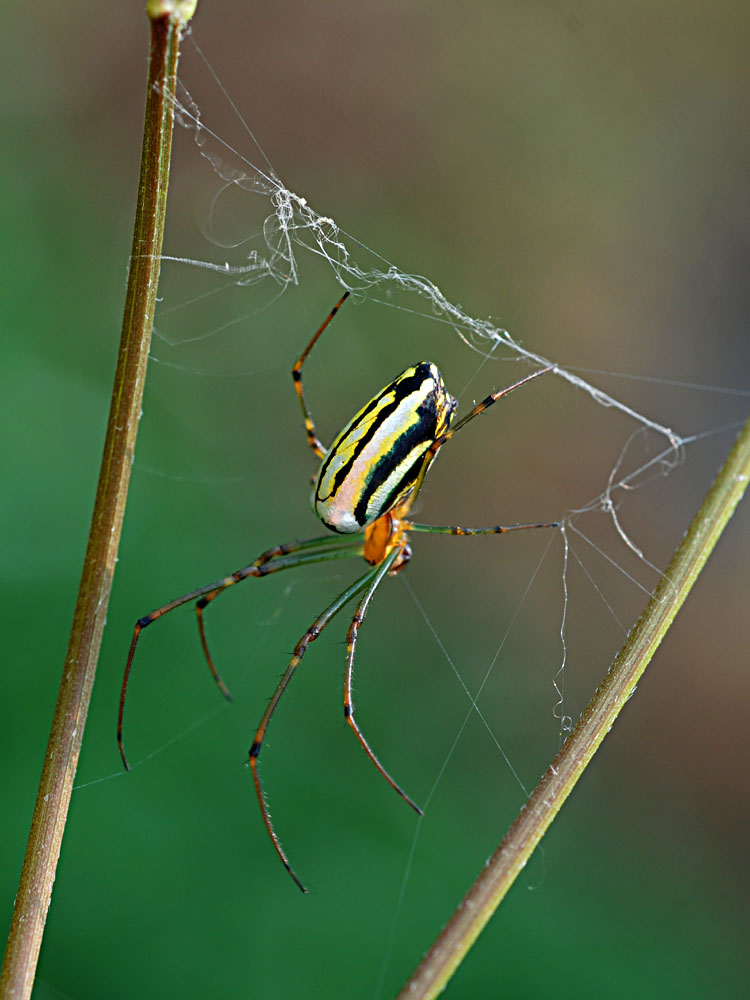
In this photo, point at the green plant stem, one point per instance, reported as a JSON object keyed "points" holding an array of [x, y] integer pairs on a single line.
{"points": [[60, 762], [485, 895]]}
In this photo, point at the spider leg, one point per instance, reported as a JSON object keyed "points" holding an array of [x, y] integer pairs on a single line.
{"points": [[312, 438], [299, 651], [272, 561], [486, 403], [496, 529], [351, 644], [479, 408]]}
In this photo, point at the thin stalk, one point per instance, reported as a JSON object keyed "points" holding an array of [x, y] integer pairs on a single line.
{"points": [[485, 895], [168, 18]]}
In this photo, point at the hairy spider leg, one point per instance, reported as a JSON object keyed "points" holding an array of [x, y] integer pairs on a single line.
{"points": [[271, 561], [365, 581], [312, 437]]}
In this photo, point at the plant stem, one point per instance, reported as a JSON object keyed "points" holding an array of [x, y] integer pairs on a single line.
{"points": [[43, 849], [485, 895]]}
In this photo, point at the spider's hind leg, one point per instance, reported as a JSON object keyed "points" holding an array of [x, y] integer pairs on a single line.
{"points": [[272, 561], [309, 636], [397, 557]]}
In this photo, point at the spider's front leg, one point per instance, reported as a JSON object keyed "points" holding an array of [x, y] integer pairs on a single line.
{"points": [[312, 437]]}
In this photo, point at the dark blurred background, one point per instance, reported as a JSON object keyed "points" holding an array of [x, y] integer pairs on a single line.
{"points": [[577, 172]]}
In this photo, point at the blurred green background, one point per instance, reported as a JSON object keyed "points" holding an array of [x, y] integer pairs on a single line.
{"points": [[579, 173]]}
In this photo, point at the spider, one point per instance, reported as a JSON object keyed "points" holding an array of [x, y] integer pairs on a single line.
{"points": [[367, 483]]}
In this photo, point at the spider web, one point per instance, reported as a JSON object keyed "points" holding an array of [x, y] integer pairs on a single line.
{"points": [[276, 252], [275, 258], [294, 227], [293, 231]]}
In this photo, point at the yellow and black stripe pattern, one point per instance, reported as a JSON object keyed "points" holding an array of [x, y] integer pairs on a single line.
{"points": [[375, 461]]}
